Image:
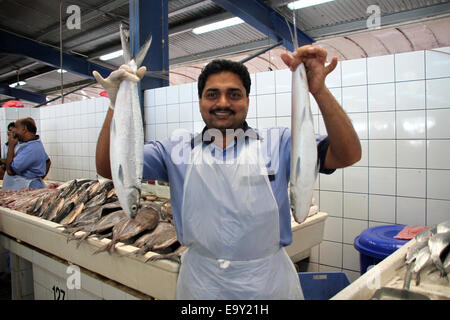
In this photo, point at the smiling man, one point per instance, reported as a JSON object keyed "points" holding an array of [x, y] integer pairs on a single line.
{"points": [[234, 216]]}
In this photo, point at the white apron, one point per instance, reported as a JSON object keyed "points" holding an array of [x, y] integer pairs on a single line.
{"points": [[17, 182], [230, 222]]}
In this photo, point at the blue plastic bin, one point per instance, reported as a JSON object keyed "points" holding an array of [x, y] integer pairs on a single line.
{"points": [[322, 285], [376, 243]]}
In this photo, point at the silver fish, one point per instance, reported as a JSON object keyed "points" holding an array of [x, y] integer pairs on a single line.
{"points": [[423, 260], [303, 148], [443, 227], [127, 136], [437, 245]]}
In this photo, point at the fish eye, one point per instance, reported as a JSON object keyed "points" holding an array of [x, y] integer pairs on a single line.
{"points": [[134, 207]]}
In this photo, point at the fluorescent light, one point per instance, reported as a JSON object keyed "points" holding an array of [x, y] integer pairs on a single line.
{"points": [[63, 71], [15, 84], [218, 25], [111, 55], [305, 3]]}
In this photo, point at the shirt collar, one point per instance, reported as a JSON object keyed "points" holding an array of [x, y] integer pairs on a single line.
{"points": [[248, 131]]}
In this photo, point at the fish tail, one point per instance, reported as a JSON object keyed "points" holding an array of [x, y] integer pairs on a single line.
{"points": [[107, 247], [143, 52], [125, 45]]}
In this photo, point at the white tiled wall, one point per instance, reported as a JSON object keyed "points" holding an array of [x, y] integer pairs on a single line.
{"points": [[399, 105]]}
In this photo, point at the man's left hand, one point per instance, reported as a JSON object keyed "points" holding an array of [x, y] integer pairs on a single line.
{"points": [[11, 140], [314, 59]]}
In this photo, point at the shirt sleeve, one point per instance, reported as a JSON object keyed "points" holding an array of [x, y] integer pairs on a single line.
{"points": [[322, 147], [154, 161], [23, 160]]}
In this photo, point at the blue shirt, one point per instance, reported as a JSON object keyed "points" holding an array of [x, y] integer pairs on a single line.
{"points": [[30, 161], [166, 161]]}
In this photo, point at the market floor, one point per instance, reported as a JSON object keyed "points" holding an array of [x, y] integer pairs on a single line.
{"points": [[5, 286]]}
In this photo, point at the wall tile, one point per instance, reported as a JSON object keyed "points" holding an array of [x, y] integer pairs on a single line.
{"points": [[409, 66], [354, 72], [382, 125], [331, 203], [438, 184], [380, 69], [411, 211], [411, 153], [438, 95], [173, 113], [330, 254], [382, 208], [353, 228], [410, 124], [265, 83], [333, 229], [351, 259], [356, 206], [283, 80], [160, 96], [438, 154], [266, 106], [359, 121], [382, 153], [437, 124], [161, 114], [381, 97], [410, 95], [437, 211], [186, 111], [266, 122], [438, 64], [283, 104], [411, 182], [355, 179], [382, 181], [354, 99], [173, 95], [331, 181], [185, 93]]}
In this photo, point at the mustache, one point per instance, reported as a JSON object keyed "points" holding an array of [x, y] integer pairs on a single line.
{"points": [[222, 110]]}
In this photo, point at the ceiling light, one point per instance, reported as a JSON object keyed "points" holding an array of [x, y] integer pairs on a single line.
{"points": [[63, 71], [218, 25], [15, 84], [111, 55], [305, 3]]}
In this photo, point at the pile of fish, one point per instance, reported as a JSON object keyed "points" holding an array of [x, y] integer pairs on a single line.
{"points": [[430, 251], [92, 206]]}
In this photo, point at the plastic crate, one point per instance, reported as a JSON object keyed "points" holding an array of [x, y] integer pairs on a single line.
{"points": [[322, 285]]}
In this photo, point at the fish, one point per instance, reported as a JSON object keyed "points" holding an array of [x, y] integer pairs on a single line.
{"points": [[105, 223], [146, 219], [174, 256], [439, 245], [303, 162], [53, 209], [423, 260], [443, 227], [127, 136], [162, 236], [446, 263]]}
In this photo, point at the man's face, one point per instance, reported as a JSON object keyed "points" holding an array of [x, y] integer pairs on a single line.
{"points": [[19, 130], [224, 102]]}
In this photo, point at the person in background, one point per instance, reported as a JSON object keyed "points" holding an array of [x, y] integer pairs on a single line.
{"points": [[11, 125], [27, 163]]}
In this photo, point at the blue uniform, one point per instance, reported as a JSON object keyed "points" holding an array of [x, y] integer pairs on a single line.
{"points": [[29, 164], [159, 164]]}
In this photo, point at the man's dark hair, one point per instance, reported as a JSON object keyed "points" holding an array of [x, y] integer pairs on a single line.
{"points": [[11, 125], [221, 65], [29, 124]]}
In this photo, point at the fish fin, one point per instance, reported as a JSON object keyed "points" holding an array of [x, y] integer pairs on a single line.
{"points": [[107, 247], [125, 45], [297, 168], [143, 52]]}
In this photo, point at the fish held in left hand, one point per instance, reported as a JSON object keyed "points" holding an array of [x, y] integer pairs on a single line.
{"points": [[127, 136]]}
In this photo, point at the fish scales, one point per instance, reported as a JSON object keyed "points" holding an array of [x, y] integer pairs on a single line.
{"points": [[127, 137], [303, 163]]}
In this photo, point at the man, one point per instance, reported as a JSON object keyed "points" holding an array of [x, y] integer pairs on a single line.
{"points": [[11, 125], [27, 163], [234, 216]]}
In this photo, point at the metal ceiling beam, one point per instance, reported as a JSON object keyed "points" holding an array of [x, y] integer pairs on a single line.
{"points": [[21, 94], [151, 18], [232, 50], [14, 45], [264, 19], [387, 21]]}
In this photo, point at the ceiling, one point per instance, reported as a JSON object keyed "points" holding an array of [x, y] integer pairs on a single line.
{"points": [[340, 26]]}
